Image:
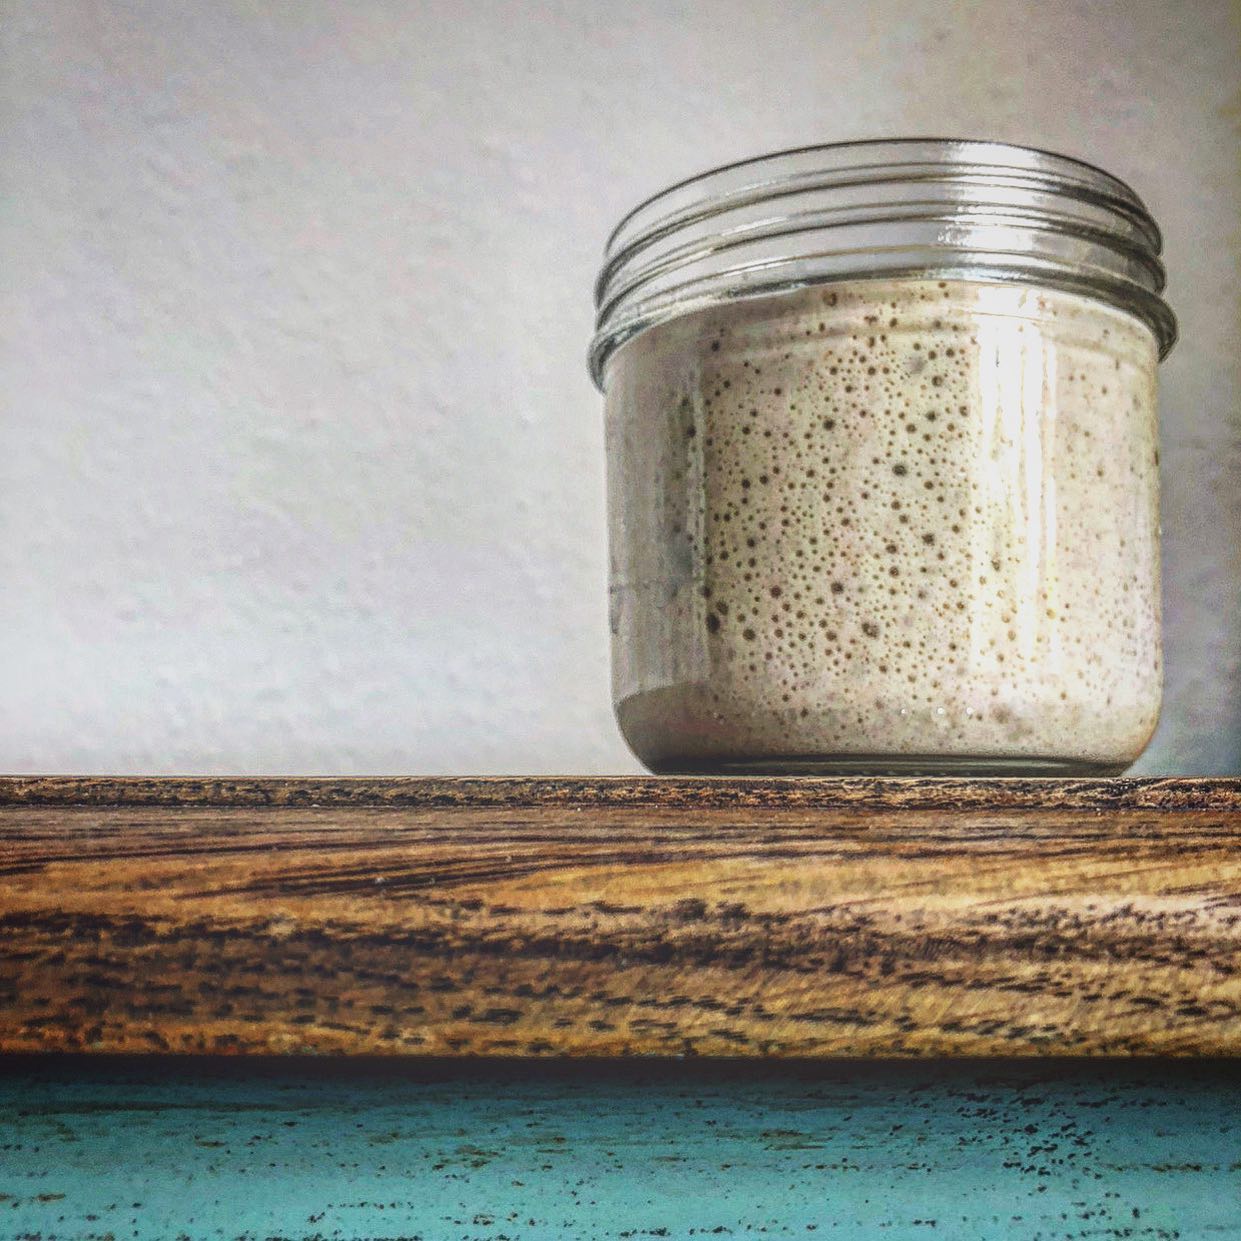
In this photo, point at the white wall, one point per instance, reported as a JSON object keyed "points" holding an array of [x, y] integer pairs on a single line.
{"points": [[300, 468]]}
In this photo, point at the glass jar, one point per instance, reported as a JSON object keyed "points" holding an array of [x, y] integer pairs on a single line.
{"points": [[882, 464]]}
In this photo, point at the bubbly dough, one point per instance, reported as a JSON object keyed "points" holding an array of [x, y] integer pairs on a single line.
{"points": [[887, 524]]}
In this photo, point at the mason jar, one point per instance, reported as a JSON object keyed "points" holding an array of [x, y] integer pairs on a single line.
{"points": [[882, 464]]}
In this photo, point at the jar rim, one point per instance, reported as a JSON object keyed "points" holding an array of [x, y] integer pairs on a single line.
{"points": [[880, 208]]}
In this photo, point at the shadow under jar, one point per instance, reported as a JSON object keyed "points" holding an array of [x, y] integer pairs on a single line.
{"points": [[883, 464]]}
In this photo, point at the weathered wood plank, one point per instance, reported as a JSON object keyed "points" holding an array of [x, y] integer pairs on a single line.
{"points": [[605, 917], [1151, 793]]}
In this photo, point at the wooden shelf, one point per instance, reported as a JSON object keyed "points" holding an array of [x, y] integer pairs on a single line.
{"points": [[614, 917]]}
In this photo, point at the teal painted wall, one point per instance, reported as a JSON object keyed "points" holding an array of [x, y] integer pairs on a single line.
{"points": [[144, 1150]]}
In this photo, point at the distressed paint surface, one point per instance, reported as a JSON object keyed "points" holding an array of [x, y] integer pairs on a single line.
{"points": [[146, 1149]]}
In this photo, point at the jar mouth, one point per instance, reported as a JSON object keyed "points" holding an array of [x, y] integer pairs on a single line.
{"points": [[939, 208]]}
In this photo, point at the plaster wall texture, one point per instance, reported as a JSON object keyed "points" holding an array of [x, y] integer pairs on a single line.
{"points": [[300, 467]]}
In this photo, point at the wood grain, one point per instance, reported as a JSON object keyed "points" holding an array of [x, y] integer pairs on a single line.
{"points": [[615, 917]]}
